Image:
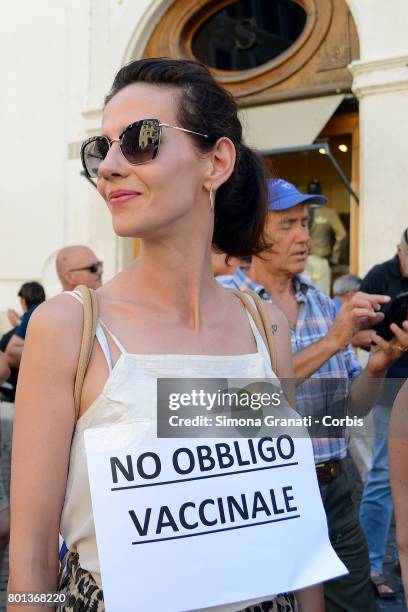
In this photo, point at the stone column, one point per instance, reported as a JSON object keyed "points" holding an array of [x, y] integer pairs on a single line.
{"points": [[381, 85]]}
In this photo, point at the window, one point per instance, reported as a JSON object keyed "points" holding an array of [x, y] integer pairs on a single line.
{"points": [[248, 33], [262, 51]]}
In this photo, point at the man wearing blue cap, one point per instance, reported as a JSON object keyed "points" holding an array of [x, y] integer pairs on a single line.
{"points": [[322, 350]]}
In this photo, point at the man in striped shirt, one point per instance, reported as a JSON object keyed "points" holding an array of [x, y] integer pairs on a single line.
{"points": [[322, 353]]}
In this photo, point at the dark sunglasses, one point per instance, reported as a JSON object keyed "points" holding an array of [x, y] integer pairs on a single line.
{"points": [[93, 268], [138, 142]]}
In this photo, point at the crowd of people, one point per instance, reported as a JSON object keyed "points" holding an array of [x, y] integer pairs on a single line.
{"points": [[211, 224], [323, 333]]}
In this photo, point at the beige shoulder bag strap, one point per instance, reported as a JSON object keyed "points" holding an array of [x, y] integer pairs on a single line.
{"points": [[90, 304], [261, 321]]}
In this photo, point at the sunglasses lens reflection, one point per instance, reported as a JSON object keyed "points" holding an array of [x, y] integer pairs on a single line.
{"points": [[139, 143], [93, 154]]}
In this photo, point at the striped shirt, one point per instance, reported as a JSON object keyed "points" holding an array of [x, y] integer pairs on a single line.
{"points": [[324, 392]]}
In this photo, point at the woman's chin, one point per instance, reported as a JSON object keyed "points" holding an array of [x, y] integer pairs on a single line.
{"points": [[125, 230]]}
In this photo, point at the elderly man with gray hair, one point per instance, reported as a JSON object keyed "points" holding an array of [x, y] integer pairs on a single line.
{"points": [[344, 287], [321, 351]]}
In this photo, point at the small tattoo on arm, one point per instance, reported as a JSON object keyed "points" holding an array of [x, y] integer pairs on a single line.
{"points": [[274, 328]]}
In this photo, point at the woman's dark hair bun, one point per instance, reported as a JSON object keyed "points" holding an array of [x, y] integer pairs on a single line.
{"points": [[206, 107], [241, 206]]}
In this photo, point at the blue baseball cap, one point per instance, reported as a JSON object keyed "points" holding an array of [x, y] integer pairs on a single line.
{"points": [[283, 195]]}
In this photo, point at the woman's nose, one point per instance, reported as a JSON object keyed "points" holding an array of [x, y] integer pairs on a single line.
{"points": [[114, 162]]}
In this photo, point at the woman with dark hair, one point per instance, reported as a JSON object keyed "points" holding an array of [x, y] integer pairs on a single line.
{"points": [[173, 170]]}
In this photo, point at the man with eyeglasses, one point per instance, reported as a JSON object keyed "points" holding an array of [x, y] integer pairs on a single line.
{"points": [[326, 370], [78, 265]]}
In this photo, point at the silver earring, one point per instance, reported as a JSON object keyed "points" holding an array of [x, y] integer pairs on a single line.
{"points": [[212, 199]]}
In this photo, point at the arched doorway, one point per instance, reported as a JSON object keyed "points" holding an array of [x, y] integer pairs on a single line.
{"points": [[286, 64]]}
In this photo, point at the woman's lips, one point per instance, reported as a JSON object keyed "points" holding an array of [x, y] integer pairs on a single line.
{"points": [[122, 196]]}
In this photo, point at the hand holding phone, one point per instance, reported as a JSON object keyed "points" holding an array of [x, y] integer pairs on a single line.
{"points": [[397, 312]]}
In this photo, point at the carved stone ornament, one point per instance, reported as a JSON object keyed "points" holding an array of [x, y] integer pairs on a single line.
{"points": [[314, 64]]}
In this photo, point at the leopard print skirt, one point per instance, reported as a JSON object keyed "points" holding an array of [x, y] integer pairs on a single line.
{"points": [[281, 603], [84, 595], [79, 586]]}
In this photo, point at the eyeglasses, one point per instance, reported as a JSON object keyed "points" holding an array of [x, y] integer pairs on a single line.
{"points": [[138, 142], [93, 268]]}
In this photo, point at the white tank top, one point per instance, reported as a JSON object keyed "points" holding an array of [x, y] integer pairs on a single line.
{"points": [[128, 395]]}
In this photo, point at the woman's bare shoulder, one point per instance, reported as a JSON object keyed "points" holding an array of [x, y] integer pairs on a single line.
{"points": [[52, 346], [57, 324], [59, 309], [276, 316], [281, 334]]}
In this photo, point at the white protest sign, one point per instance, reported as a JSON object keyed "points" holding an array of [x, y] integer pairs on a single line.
{"points": [[186, 524]]}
